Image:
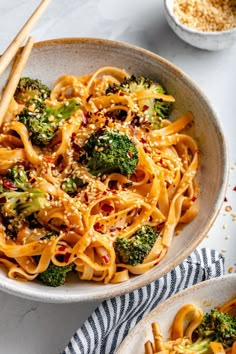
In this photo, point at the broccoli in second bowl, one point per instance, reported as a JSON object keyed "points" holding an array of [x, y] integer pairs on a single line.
{"points": [[108, 151]]}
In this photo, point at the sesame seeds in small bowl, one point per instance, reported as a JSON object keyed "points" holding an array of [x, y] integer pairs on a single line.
{"points": [[205, 24]]}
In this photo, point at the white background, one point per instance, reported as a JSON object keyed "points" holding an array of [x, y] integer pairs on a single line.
{"points": [[28, 327]]}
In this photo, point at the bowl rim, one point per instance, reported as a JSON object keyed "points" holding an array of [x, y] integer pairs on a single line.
{"points": [[193, 31], [10, 286]]}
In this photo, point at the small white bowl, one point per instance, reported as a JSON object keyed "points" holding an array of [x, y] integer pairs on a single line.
{"points": [[204, 40]]}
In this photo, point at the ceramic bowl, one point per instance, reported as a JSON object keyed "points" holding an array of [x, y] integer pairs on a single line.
{"points": [[202, 295], [51, 59], [203, 40]]}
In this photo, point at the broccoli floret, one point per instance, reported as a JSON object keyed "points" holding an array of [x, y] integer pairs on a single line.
{"points": [[55, 275], [110, 151], [12, 225], [28, 89], [18, 177], [152, 110], [135, 249], [43, 122], [15, 180], [71, 185], [49, 235], [218, 326], [23, 204]]}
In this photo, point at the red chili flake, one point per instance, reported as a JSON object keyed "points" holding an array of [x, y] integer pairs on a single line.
{"points": [[121, 94], [107, 208], [66, 257], [62, 248], [25, 223], [86, 197], [194, 198], [145, 107], [48, 159], [73, 135], [225, 200], [118, 228], [97, 226], [129, 154], [84, 119], [32, 180], [112, 228], [78, 148], [234, 189], [143, 140], [9, 185], [19, 101], [106, 259]]}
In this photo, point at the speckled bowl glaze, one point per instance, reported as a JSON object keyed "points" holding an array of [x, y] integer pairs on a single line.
{"points": [[203, 40], [205, 295], [51, 59]]}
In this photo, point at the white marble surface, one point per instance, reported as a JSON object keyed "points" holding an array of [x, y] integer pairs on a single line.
{"points": [[28, 327]]}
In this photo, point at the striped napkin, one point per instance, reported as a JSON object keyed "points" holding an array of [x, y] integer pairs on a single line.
{"points": [[110, 323]]}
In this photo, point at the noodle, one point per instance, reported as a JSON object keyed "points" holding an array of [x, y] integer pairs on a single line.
{"points": [[162, 192]]}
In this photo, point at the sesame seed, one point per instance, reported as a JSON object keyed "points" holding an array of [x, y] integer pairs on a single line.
{"points": [[206, 15]]}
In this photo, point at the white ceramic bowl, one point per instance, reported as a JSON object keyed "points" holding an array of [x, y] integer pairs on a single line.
{"points": [[51, 59], [203, 40], [205, 295]]}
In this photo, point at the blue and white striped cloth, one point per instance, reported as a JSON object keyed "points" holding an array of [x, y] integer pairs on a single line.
{"points": [[110, 323]]}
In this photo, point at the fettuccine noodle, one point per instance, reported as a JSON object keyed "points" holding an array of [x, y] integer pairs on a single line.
{"points": [[161, 193]]}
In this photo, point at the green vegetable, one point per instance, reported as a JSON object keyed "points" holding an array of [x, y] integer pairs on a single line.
{"points": [[109, 151], [28, 89], [55, 275], [201, 346], [218, 326], [23, 203], [18, 177], [151, 110], [42, 122], [135, 249], [71, 185], [49, 235]]}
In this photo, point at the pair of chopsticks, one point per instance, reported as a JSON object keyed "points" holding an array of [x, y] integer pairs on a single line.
{"points": [[21, 58]]}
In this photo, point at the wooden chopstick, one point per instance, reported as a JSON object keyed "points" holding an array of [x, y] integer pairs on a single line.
{"points": [[12, 49], [14, 77]]}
